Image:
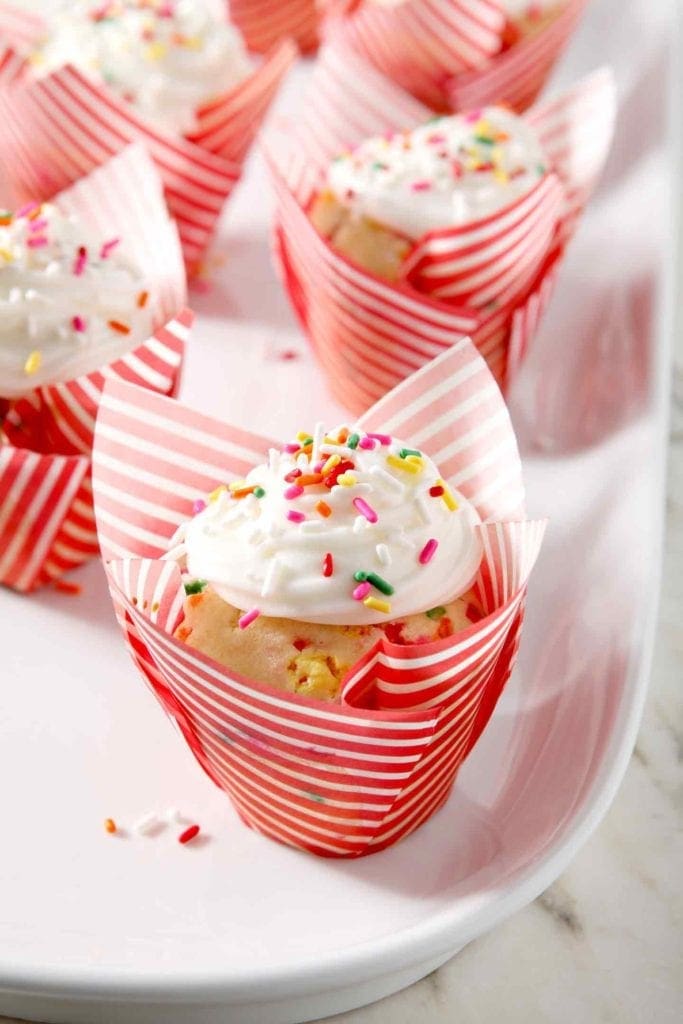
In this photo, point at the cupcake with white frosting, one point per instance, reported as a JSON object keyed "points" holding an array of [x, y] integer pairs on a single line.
{"points": [[335, 542], [385, 195], [70, 300], [528, 17], [164, 57]]}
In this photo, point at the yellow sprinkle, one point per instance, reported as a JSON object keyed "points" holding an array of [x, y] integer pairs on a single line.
{"points": [[333, 461], [404, 464], [302, 435], [6, 255], [500, 176], [448, 499], [192, 42], [415, 459], [155, 51], [346, 479], [32, 364], [377, 604], [36, 59], [215, 494], [236, 485], [482, 127]]}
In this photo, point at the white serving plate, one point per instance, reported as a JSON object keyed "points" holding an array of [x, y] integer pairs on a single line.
{"points": [[131, 929]]}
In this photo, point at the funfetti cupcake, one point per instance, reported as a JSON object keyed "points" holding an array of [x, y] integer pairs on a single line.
{"points": [[99, 74], [330, 628], [452, 54], [92, 287], [392, 247]]}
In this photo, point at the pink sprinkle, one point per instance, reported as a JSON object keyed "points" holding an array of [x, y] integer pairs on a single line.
{"points": [[472, 116], [421, 186], [78, 323], [318, 466], [295, 517], [366, 443], [427, 552], [36, 242], [436, 138], [37, 225], [198, 506], [107, 247], [293, 491], [291, 447], [382, 438], [361, 591], [80, 261], [365, 510], [291, 476], [25, 210], [248, 617]]}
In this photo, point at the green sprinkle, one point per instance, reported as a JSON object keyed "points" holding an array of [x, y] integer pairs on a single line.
{"points": [[313, 796], [433, 120], [484, 139], [360, 576], [404, 452], [540, 168], [352, 441], [195, 587], [259, 492], [306, 441], [379, 583], [436, 613]]}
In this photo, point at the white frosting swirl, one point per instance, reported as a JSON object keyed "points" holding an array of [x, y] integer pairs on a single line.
{"points": [[69, 302], [166, 57], [450, 171], [279, 551]]}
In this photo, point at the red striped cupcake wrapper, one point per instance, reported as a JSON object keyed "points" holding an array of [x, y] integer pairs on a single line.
{"points": [[491, 279], [46, 516], [339, 780], [453, 54], [263, 23], [55, 129]]}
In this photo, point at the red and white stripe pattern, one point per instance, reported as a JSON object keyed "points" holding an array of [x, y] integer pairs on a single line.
{"points": [[50, 507], [58, 128], [421, 44], [517, 75], [263, 23], [336, 780], [369, 334]]}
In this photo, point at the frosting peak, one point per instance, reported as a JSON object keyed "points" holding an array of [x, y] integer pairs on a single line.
{"points": [[348, 529]]}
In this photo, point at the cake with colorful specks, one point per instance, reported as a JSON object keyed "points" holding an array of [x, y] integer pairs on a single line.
{"points": [[165, 57], [70, 302], [382, 197], [337, 541]]}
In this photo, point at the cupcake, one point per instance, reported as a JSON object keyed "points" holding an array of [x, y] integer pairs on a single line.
{"points": [[92, 287], [99, 74], [329, 630], [453, 54], [299, 570], [263, 23], [385, 195], [393, 247]]}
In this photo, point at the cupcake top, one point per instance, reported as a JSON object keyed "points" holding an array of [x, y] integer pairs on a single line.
{"points": [[531, 10], [347, 528], [448, 172], [69, 302], [165, 57]]}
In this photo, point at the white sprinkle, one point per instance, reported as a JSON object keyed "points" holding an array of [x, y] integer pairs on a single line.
{"points": [[403, 541], [337, 449], [360, 523], [389, 481], [313, 526], [274, 574], [251, 506], [176, 554], [178, 535], [318, 435], [149, 825], [273, 459], [302, 461], [383, 554], [423, 509], [173, 815], [256, 537]]}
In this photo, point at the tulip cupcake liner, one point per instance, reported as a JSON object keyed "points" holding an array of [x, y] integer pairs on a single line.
{"points": [[453, 54], [57, 128], [47, 523], [337, 780], [490, 279], [263, 23]]}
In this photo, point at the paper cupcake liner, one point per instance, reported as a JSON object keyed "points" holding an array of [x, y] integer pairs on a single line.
{"points": [[263, 23], [452, 54], [420, 44], [517, 75], [337, 780], [55, 129], [47, 523], [491, 279]]}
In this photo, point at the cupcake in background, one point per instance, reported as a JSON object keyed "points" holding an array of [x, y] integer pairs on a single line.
{"points": [[528, 17], [263, 23], [300, 569]]}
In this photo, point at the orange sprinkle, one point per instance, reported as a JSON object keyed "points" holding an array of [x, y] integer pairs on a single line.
{"points": [[343, 435], [323, 509], [35, 213], [67, 587], [242, 492], [116, 325], [306, 479], [142, 299], [109, 825], [5, 219]]}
